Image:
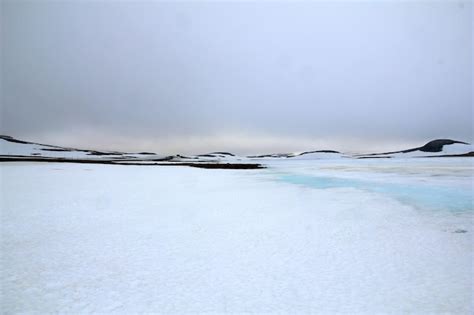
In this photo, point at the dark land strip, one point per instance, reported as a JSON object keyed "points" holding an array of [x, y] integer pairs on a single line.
{"points": [[237, 166]]}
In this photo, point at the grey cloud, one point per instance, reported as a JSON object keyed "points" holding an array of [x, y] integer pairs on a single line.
{"points": [[140, 74]]}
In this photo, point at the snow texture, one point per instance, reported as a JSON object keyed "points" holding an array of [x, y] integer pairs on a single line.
{"points": [[301, 237]]}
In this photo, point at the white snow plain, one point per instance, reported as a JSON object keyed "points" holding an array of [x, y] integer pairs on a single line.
{"points": [[301, 237]]}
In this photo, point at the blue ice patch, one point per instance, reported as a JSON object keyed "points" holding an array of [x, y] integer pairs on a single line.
{"points": [[417, 194]]}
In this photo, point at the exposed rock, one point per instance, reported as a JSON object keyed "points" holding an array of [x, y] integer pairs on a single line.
{"points": [[432, 146], [319, 151], [437, 145], [223, 153]]}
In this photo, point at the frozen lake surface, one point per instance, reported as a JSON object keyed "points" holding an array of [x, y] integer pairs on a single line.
{"points": [[310, 236]]}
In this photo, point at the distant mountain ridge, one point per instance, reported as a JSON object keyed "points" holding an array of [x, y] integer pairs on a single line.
{"points": [[46, 150], [55, 148], [14, 150], [433, 146]]}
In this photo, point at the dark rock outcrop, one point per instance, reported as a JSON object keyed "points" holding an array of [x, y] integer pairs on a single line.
{"points": [[432, 146], [437, 145], [319, 151], [222, 153]]}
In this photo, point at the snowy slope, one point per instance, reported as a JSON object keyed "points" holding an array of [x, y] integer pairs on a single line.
{"points": [[30, 149], [13, 147], [317, 156], [309, 155], [447, 150], [424, 151]]}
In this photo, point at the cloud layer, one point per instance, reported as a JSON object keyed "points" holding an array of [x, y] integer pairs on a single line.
{"points": [[247, 76]]}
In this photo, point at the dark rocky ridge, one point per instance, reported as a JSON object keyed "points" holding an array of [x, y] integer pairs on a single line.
{"points": [[222, 153], [437, 145], [274, 155], [432, 146], [319, 151], [11, 139], [230, 166]]}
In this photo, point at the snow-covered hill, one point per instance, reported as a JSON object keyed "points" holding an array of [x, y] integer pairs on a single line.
{"points": [[435, 148], [307, 155], [14, 150], [11, 148]]}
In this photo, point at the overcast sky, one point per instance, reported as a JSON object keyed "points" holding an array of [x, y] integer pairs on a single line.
{"points": [[248, 77]]}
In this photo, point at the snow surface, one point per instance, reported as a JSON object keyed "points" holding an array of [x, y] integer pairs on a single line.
{"points": [[296, 238]]}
